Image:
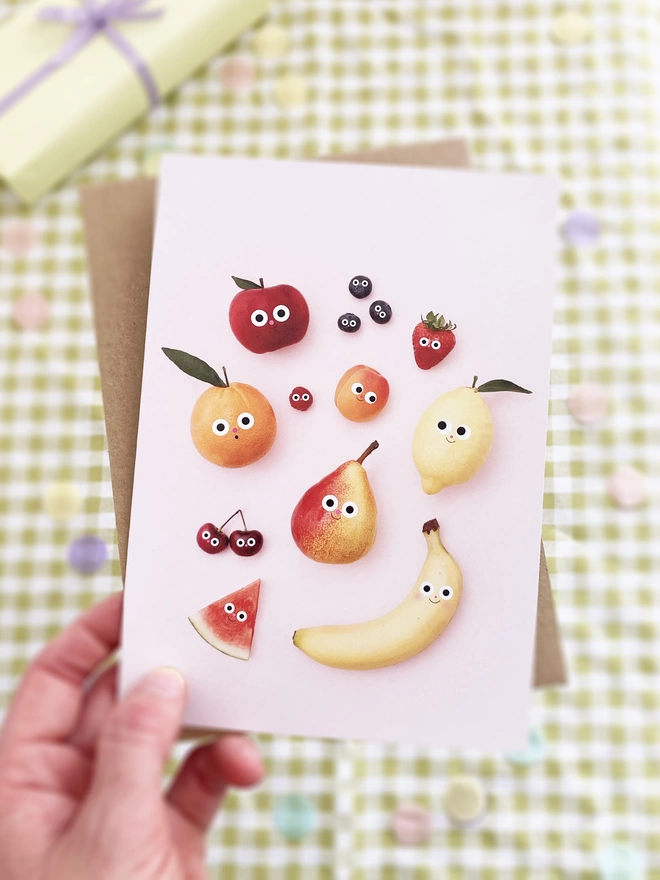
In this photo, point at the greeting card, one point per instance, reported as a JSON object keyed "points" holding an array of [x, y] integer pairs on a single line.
{"points": [[339, 473]]}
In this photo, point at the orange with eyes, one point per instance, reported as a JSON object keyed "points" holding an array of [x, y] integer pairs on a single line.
{"points": [[362, 393]]}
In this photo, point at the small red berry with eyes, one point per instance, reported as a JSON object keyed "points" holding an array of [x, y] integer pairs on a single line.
{"points": [[267, 318], [244, 542], [301, 398], [212, 539]]}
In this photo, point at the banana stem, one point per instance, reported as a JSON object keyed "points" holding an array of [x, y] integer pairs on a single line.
{"points": [[368, 451], [431, 531]]}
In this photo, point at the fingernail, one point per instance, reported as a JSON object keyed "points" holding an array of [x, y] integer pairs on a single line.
{"points": [[165, 682]]}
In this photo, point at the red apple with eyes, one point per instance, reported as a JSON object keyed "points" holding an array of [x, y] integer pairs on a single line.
{"points": [[268, 318], [211, 539], [246, 542]]}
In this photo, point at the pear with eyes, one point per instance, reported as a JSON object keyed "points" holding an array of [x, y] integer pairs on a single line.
{"points": [[454, 436], [335, 520]]}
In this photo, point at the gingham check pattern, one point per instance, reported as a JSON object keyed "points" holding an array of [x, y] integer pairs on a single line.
{"points": [[383, 72]]}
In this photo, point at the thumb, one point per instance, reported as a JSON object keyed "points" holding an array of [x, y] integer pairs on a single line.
{"points": [[138, 736]]}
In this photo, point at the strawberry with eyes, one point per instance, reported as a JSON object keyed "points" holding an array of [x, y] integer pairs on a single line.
{"points": [[432, 339]]}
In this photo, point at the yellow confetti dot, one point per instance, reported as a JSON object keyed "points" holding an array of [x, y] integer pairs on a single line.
{"points": [[270, 41], [571, 27], [62, 501], [465, 800], [290, 90]]}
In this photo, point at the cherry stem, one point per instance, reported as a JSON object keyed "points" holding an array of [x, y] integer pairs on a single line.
{"points": [[474, 381], [261, 281], [236, 512], [370, 448], [224, 370]]}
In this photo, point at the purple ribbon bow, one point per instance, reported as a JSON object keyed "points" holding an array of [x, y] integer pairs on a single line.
{"points": [[90, 20]]}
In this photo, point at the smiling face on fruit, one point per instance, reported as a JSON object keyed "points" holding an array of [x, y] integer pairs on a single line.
{"points": [[362, 393], [268, 318]]}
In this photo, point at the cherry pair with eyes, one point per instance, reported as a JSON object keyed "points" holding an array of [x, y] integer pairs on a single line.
{"points": [[243, 542]]}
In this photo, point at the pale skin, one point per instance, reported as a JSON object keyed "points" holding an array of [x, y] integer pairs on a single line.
{"points": [[81, 774]]}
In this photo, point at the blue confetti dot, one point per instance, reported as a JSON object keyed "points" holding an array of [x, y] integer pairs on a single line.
{"points": [[87, 554], [533, 754], [582, 229], [620, 860], [295, 816]]}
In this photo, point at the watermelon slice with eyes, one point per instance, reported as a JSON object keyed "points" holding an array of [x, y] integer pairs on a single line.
{"points": [[228, 624]]}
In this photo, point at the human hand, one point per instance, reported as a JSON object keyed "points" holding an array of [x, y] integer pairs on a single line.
{"points": [[81, 775]]}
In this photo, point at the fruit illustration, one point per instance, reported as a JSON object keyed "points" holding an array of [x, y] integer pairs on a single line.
{"points": [[349, 323], [228, 624], [360, 286], [301, 398], [362, 393], [433, 339], [380, 311], [335, 520], [454, 435], [232, 424], [402, 633], [268, 318], [211, 539]]}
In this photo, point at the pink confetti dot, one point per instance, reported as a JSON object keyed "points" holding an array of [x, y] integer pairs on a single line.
{"points": [[18, 237], [31, 311], [627, 487], [237, 74], [412, 824], [588, 404]]}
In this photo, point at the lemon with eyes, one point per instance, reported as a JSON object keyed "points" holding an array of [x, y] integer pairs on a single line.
{"points": [[454, 436]]}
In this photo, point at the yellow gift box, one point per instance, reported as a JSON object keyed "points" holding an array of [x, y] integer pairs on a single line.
{"points": [[75, 73]]}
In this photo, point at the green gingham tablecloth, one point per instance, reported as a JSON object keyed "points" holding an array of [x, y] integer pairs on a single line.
{"points": [[384, 72]]}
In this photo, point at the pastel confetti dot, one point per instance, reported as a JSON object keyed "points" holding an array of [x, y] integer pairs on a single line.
{"points": [[290, 90], [571, 27], [237, 73], [87, 554], [627, 487], [533, 754], [588, 403], [620, 860], [412, 824], [270, 41], [31, 311], [465, 800], [18, 237], [295, 816], [582, 229], [62, 501]]}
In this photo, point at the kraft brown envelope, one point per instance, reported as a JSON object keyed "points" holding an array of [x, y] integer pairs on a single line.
{"points": [[119, 224]]}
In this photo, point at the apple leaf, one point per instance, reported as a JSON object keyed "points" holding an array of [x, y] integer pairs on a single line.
{"points": [[246, 285], [194, 367], [501, 385]]}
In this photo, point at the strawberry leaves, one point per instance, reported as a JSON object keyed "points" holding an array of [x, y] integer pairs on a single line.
{"points": [[437, 322], [196, 367]]}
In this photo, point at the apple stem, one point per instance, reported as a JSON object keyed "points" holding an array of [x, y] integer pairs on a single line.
{"points": [[474, 381], [224, 370], [261, 281], [370, 448], [235, 513]]}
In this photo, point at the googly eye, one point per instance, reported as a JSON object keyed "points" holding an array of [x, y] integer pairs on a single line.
{"points": [[344, 322], [355, 282], [330, 503], [245, 421], [365, 283], [444, 426], [436, 345], [251, 542], [446, 592], [220, 427], [281, 313], [242, 616], [229, 607], [371, 397], [259, 318], [463, 432], [353, 323], [295, 397], [350, 509], [214, 542], [426, 588], [382, 314], [305, 397], [424, 341], [357, 388], [240, 542], [206, 535]]}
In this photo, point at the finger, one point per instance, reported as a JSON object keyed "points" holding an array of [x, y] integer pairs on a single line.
{"points": [[48, 701], [136, 739], [94, 712], [201, 782]]}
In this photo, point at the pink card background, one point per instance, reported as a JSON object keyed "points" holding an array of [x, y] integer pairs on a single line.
{"points": [[479, 247]]}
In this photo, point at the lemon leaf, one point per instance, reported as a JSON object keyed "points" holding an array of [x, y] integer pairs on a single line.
{"points": [[194, 367], [501, 385]]}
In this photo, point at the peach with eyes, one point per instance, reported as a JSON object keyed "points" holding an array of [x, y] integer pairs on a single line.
{"points": [[362, 393]]}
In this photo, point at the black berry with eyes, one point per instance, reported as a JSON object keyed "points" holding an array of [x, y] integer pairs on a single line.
{"points": [[380, 311], [360, 286], [349, 323]]}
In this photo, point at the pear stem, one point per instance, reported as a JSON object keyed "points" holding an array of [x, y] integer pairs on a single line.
{"points": [[370, 448], [474, 381]]}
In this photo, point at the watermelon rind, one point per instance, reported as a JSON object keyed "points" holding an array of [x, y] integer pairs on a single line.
{"points": [[220, 645]]}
